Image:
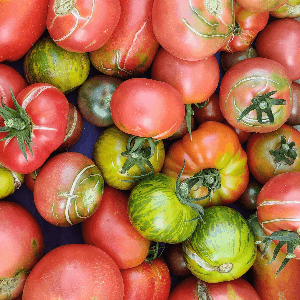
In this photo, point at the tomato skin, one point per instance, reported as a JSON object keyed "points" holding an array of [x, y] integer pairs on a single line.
{"points": [[82, 26], [289, 9], [132, 47], [242, 134], [74, 271], [18, 34], [181, 31], [269, 43], [68, 189], [259, 6], [147, 108], [214, 145], [294, 118], [195, 80], [250, 78], [109, 229], [47, 107]]}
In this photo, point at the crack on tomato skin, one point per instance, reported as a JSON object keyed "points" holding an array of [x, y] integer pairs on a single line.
{"points": [[63, 7], [202, 291]]}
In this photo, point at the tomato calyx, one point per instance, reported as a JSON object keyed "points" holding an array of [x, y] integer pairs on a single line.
{"points": [[262, 103], [290, 238], [18, 124], [138, 154]]}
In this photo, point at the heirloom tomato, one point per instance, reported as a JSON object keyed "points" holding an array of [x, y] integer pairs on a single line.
{"points": [[294, 118], [256, 95], [21, 25], [147, 108], [259, 5], [120, 168], [215, 171], [222, 247], [192, 31], [273, 153], [289, 9], [36, 127], [75, 271], [131, 48], [247, 26], [82, 26]]}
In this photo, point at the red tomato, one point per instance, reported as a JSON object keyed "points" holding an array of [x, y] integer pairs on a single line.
{"points": [[247, 26], [242, 134], [280, 41], [192, 31], [21, 26], [21, 247], [147, 108], [75, 271], [109, 228], [82, 26], [258, 5], [294, 118], [68, 189], [148, 281], [131, 48], [255, 95], [43, 125], [194, 80], [193, 288]]}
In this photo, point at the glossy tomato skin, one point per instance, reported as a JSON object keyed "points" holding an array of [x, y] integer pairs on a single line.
{"points": [[74, 271], [214, 145], [195, 80], [294, 118], [147, 108], [259, 6], [20, 249], [278, 205], [132, 47], [251, 78], [180, 29], [279, 41], [109, 228], [48, 109], [21, 26], [263, 164], [68, 189], [82, 26], [247, 26]]}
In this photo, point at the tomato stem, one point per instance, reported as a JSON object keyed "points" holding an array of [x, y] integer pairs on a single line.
{"points": [[284, 152]]}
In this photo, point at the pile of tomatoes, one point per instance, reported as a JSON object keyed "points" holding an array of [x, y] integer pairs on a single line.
{"points": [[149, 149]]}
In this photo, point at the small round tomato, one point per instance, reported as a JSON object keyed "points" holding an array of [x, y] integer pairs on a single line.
{"points": [[147, 108]]}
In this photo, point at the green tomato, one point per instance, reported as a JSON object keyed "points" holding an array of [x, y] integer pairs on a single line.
{"points": [[222, 247]]}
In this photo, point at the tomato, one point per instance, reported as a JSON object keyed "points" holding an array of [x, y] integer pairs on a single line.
{"points": [[222, 247], [147, 108], [132, 47], [41, 125], [258, 5], [49, 63], [278, 216], [276, 41], [193, 288], [109, 229], [10, 80], [289, 9], [242, 134], [150, 280], [247, 26], [183, 129], [216, 165], [269, 286], [94, 97], [82, 26], [29, 179], [294, 118], [192, 31], [75, 271], [157, 213], [21, 246], [107, 155], [255, 95], [273, 153], [68, 189], [21, 26]]}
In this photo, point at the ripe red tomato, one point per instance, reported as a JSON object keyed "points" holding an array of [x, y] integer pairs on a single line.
{"points": [[109, 228], [21, 26], [279, 41], [82, 26], [75, 271], [258, 5], [147, 108], [255, 95], [192, 31], [21, 247]]}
